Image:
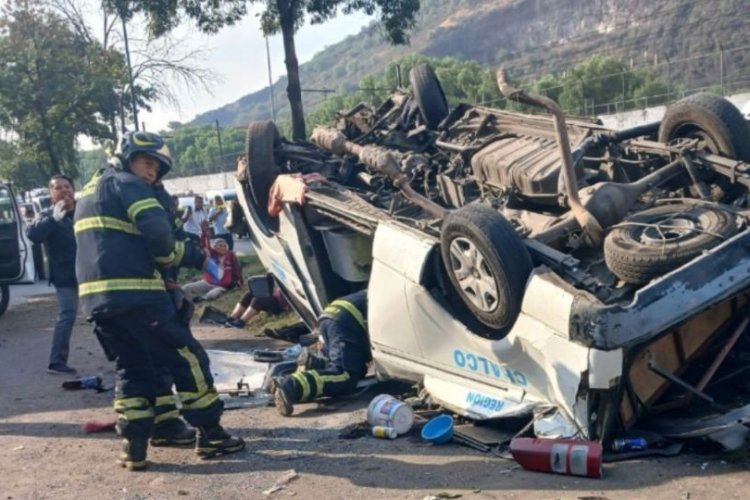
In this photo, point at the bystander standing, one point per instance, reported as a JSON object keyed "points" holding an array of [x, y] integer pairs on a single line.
{"points": [[54, 227], [217, 216], [197, 223]]}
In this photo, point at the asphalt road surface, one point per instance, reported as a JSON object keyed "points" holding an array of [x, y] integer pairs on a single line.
{"points": [[44, 453]]}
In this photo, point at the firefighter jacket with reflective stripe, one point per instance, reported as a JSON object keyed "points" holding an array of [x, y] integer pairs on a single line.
{"points": [[171, 273], [350, 311], [124, 236]]}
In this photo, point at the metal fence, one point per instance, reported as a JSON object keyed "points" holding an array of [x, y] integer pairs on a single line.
{"points": [[722, 72]]}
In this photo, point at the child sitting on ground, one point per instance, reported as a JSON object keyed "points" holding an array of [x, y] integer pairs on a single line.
{"points": [[229, 275]]}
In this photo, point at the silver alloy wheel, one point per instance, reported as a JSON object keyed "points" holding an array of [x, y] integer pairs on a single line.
{"points": [[477, 282]]}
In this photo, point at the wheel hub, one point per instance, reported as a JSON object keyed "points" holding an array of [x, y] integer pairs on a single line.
{"points": [[476, 281], [669, 230]]}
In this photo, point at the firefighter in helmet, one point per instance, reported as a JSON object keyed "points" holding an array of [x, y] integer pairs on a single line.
{"points": [[124, 238]]}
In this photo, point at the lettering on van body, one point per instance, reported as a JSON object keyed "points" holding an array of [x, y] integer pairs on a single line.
{"points": [[479, 364], [482, 401]]}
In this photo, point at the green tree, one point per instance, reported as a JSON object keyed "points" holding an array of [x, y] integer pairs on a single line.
{"points": [[279, 16], [550, 86], [15, 166], [54, 86]]}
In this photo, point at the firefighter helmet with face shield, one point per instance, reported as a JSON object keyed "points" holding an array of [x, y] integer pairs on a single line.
{"points": [[133, 143]]}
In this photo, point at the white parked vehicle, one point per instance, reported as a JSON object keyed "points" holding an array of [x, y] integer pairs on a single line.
{"points": [[16, 262]]}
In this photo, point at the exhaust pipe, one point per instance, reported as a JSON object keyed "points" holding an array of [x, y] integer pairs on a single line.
{"points": [[592, 230]]}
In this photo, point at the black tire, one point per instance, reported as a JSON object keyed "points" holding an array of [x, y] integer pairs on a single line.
{"points": [[505, 264], [429, 95], [262, 169], [663, 238], [714, 120], [4, 298]]}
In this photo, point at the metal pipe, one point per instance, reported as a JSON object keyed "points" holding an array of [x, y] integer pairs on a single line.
{"points": [[379, 158], [722, 354], [693, 172], [592, 230], [647, 129]]}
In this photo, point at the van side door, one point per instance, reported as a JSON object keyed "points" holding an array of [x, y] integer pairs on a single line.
{"points": [[11, 266]]}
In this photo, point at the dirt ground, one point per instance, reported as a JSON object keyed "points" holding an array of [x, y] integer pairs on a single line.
{"points": [[44, 453]]}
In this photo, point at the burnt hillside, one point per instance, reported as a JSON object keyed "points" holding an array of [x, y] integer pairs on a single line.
{"points": [[681, 38]]}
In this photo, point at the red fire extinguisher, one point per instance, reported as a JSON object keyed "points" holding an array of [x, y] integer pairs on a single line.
{"points": [[562, 456]]}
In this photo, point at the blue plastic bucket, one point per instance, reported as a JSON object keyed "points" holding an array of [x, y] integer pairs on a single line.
{"points": [[438, 430]]}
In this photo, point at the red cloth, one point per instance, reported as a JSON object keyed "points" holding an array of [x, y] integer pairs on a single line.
{"points": [[232, 275]]}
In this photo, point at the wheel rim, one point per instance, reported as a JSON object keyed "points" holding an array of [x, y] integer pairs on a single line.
{"points": [[475, 279], [693, 131], [669, 230]]}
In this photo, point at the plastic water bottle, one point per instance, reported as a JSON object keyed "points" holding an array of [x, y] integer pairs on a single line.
{"points": [[91, 382], [293, 352], [629, 444], [382, 432]]}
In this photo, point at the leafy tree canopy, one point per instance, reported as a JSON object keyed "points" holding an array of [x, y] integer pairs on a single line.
{"points": [[54, 85]]}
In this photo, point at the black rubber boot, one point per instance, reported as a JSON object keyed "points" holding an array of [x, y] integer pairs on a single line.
{"points": [[285, 395], [215, 441], [133, 456], [174, 433]]}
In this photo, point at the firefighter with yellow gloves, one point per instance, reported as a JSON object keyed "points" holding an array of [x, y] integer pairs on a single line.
{"points": [[124, 237], [346, 351]]}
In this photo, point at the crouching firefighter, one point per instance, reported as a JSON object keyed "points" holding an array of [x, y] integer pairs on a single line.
{"points": [[346, 349], [124, 237]]}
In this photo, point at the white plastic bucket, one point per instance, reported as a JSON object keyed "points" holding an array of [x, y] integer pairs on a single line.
{"points": [[387, 411]]}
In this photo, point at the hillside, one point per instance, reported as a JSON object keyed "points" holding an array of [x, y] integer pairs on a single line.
{"points": [[532, 38]]}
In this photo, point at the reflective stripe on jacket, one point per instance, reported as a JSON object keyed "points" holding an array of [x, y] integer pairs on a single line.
{"points": [[351, 309], [124, 236]]}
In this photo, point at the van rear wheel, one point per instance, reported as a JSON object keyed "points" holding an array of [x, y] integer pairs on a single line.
{"points": [[262, 169]]}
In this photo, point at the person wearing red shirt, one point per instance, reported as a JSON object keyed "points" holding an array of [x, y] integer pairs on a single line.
{"points": [[212, 286]]}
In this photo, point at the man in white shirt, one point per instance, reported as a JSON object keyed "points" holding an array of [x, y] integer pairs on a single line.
{"points": [[217, 216], [197, 221]]}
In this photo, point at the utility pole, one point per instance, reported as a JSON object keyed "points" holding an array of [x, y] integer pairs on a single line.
{"points": [[721, 67], [130, 71], [270, 82], [221, 148], [669, 80]]}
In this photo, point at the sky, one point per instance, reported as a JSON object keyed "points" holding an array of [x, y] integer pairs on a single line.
{"points": [[237, 57]]}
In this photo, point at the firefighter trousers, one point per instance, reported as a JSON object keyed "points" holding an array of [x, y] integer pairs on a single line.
{"points": [[150, 345], [347, 352]]}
